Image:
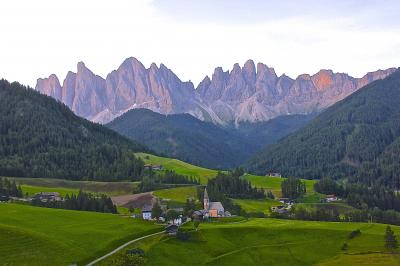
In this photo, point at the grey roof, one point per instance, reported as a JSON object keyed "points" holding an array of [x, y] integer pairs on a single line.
{"points": [[215, 206], [146, 208]]}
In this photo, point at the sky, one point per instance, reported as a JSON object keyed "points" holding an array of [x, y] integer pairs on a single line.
{"points": [[192, 38]]}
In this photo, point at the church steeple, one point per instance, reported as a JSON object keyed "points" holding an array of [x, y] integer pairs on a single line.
{"points": [[206, 200]]}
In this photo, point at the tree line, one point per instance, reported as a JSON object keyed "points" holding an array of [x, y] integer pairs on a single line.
{"points": [[152, 180], [80, 202]]}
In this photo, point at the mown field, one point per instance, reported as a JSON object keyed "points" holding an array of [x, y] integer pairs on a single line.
{"points": [[180, 167], [35, 185], [274, 183], [257, 205], [178, 194], [271, 242], [42, 236]]}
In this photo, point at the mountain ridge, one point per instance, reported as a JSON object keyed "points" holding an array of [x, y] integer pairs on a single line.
{"points": [[251, 93]]}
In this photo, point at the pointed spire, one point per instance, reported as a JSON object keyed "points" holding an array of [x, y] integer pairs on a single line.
{"points": [[205, 194]]}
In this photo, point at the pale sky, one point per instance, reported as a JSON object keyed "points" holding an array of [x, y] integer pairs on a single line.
{"points": [[42, 37]]}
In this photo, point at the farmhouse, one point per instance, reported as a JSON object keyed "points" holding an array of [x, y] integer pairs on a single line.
{"points": [[154, 167], [274, 174], [146, 212], [48, 196], [331, 198], [212, 209]]}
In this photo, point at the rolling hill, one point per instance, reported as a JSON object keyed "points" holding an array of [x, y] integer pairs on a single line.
{"points": [[41, 137], [270, 242], [358, 137], [44, 236], [187, 138]]}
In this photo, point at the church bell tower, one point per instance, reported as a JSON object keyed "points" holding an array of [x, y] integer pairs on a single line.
{"points": [[206, 200]]}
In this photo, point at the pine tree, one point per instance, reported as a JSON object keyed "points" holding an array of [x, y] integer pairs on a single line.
{"points": [[156, 211], [390, 239]]}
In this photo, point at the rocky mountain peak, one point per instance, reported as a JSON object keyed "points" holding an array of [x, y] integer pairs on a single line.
{"points": [[248, 93]]}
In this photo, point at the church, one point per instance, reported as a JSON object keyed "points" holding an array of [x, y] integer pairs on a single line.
{"points": [[212, 209]]}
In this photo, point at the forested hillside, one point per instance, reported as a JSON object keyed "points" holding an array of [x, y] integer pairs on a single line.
{"points": [[358, 137], [187, 138], [40, 137]]}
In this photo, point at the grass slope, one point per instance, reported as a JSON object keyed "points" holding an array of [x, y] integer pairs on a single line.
{"points": [[257, 205], [179, 167], [274, 183], [35, 185], [272, 242], [178, 194], [42, 236]]}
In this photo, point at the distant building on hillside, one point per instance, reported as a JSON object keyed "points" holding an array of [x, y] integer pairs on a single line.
{"points": [[331, 198], [154, 167], [274, 174], [146, 212]]}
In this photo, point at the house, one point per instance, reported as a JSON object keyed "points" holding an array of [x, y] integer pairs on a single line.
{"points": [[274, 174], [212, 209], [284, 200], [4, 198], [279, 209], [146, 212], [331, 198], [171, 229], [153, 167], [47, 196]]}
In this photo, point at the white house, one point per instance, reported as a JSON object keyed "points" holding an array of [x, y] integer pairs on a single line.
{"points": [[146, 212]]}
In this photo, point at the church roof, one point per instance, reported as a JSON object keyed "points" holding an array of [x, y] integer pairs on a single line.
{"points": [[215, 206]]}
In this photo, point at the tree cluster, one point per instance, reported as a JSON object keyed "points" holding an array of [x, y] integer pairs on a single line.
{"points": [[152, 180], [232, 186], [293, 188], [9, 188], [81, 202]]}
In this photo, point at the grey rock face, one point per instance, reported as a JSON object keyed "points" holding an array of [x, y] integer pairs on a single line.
{"points": [[249, 93]]}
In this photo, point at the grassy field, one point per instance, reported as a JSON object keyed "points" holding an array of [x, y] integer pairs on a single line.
{"points": [[42, 236], [180, 167], [178, 194], [272, 242], [257, 205], [35, 185], [274, 183]]}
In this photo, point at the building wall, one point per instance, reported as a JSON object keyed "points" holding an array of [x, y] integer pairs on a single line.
{"points": [[146, 215]]}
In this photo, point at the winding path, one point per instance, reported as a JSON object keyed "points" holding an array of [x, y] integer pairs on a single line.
{"points": [[121, 247]]}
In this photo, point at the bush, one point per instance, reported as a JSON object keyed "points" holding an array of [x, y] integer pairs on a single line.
{"points": [[354, 233]]}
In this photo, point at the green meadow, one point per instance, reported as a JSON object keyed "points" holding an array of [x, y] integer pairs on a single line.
{"points": [[178, 194], [257, 205], [35, 185], [271, 242], [274, 183], [42, 236], [180, 167]]}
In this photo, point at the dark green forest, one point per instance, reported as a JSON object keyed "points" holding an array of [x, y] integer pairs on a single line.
{"points": [[187, 138], [40, 137], [357, 138]]}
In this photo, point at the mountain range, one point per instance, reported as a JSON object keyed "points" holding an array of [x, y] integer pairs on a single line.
{"points": [[357, 138], [251, 93]]}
